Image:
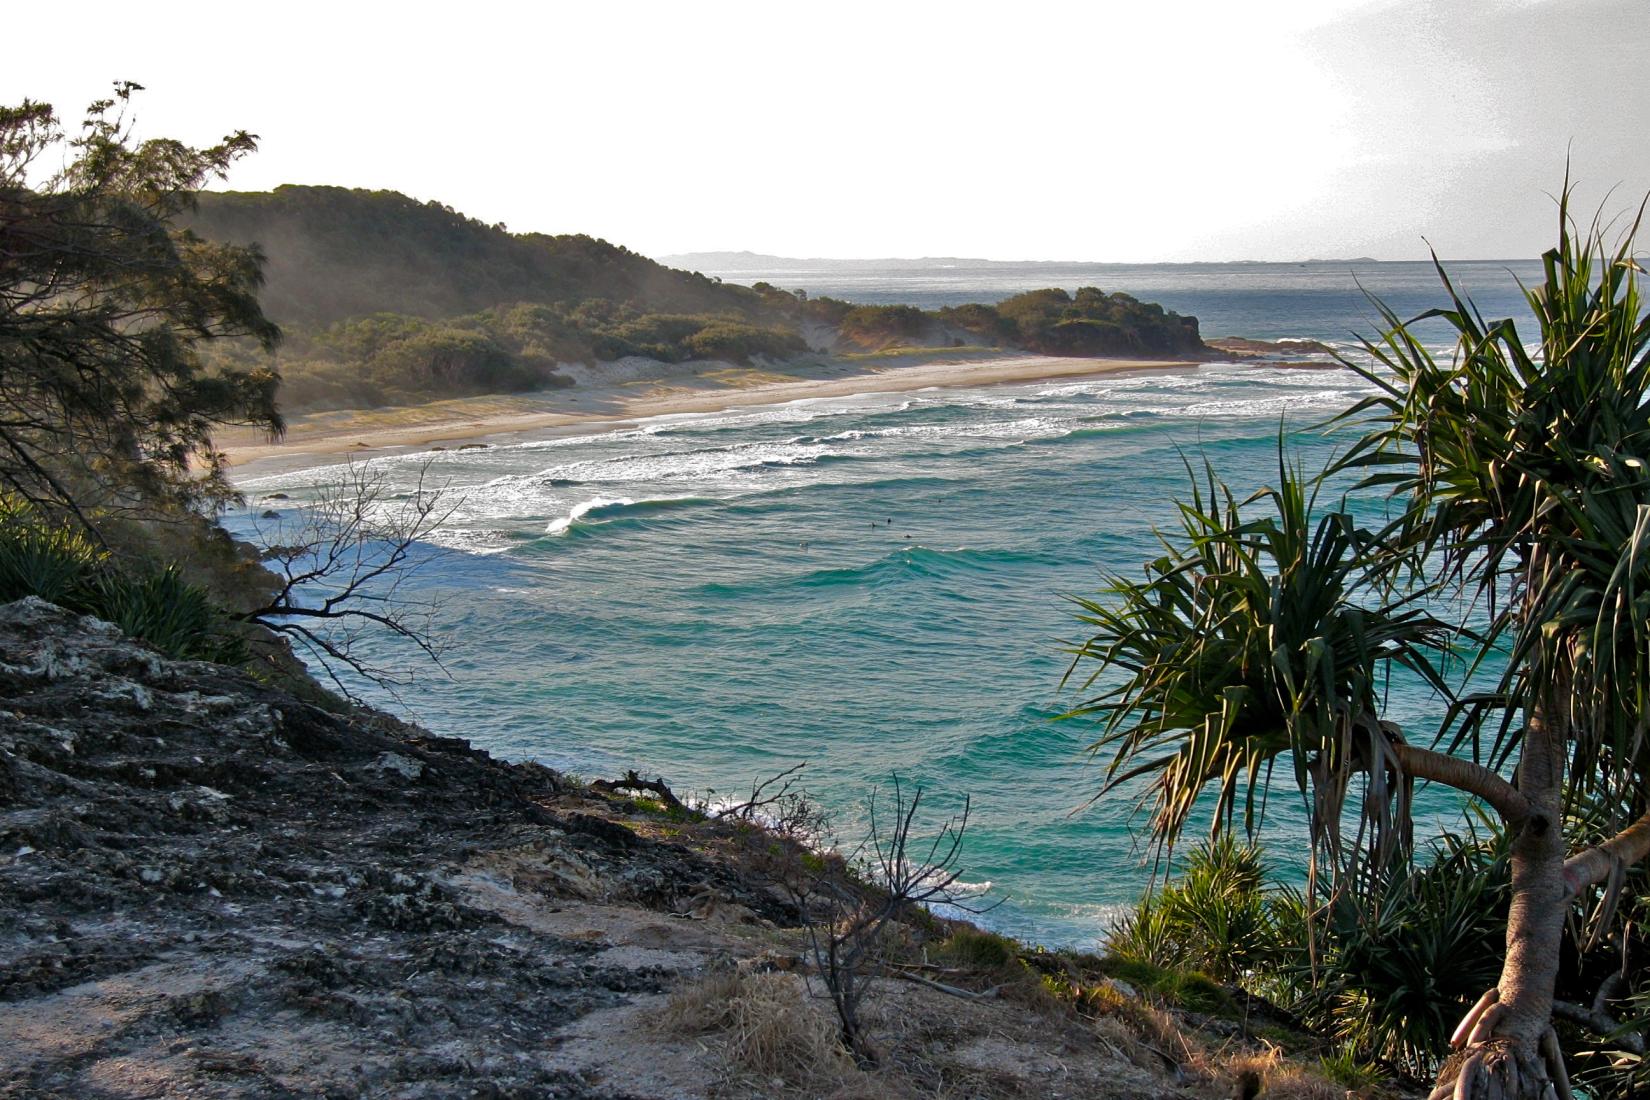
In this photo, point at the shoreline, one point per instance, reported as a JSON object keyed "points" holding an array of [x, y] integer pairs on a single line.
{"points": [[589, 409]]}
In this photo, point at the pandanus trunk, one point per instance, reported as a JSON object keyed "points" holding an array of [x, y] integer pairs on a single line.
{"points": [[1508, 1050]]}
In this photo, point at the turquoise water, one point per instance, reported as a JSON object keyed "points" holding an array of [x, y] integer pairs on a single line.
{"points": [[875, 584]]}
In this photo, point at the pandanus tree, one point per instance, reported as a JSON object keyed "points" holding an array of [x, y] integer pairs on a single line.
{"points": [[1520, 483]]}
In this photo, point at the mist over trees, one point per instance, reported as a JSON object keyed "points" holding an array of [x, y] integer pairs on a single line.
{"points": [[386, 301]]}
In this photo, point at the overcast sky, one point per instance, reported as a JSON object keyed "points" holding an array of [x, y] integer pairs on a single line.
{"points": [[1080, 131]]}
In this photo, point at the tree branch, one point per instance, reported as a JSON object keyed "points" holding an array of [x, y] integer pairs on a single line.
{"points": [[1600, 1023], [1464, 775], [1627, 847]]}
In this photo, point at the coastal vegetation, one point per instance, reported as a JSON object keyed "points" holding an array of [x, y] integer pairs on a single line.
{"points": [[1091, 322], [1257, 646], [1254, 650], [105, 403], [334, 253], [111, 391], [398, 359], [60, 563], [384, 300]]}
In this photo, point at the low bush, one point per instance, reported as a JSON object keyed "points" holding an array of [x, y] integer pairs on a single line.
{"points": [[1215, 918], [1182, 988], [878, 326], [56, 562], [975, 949], [769, 1027], [1392, 979], [1386, 979]]}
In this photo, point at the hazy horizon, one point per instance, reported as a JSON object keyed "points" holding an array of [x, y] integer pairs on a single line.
{"points": [[1343, 128], [706, 253]]}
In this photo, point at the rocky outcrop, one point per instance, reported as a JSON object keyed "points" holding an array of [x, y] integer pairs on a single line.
{"points": [[211, 888], [208, 887]]}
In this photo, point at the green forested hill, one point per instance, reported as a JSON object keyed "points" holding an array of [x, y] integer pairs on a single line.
{"points": [[335, 253], [387, 300]]}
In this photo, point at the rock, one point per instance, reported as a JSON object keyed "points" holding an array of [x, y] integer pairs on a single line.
{"points": [[401, 765], [193, 857], [209, 887]]}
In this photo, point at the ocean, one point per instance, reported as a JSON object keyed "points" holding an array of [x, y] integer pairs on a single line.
{"points": [[879, 585]]}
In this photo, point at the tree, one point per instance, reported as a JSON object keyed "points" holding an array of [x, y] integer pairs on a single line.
{"points": [[1261, 635], [104, 403], [847, 914]]}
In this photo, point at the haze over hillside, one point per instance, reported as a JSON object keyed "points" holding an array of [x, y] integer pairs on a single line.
{"points": [[387, 300], [335, 253]]}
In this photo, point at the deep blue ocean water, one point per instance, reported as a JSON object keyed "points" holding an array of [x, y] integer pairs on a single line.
{"points": [[877, 585]]}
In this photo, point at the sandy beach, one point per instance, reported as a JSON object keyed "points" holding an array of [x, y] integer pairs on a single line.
{"points": [[592, 407]]}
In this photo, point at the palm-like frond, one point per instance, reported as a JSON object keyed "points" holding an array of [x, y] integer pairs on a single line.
{"points": [[1255, 636], [1527, 474]]}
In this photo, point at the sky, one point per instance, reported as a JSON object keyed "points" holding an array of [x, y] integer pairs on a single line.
{"points": [[1100, 131]]}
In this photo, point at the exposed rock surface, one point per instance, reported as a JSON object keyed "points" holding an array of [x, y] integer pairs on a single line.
{"points": [[210, 888]]}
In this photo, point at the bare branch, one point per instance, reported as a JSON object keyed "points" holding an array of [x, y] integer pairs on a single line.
{"points": [[846, 920], [631, 781], [760, 799], [342, 567]]}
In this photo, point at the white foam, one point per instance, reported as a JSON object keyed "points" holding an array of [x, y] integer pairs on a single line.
{"points": [[563, 524], [688, 465], [480, 542]]}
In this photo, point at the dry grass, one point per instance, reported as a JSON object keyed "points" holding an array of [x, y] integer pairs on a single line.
{"points": [[769, 1028], [1280, 1080]]}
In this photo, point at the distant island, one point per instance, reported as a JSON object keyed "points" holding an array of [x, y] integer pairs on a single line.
{"points": [[385, 300]]}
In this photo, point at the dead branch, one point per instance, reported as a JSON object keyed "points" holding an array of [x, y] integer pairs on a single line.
{"points": [[955, 991], [846, 919], [760, 799], [631, 781], [342, 569]]}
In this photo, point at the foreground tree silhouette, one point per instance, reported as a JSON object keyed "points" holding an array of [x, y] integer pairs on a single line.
{"points": [[104, 403], [1260, 637]]}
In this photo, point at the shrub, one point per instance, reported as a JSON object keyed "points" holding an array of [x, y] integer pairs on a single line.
{"points": [[1387, 981], [876, 326], [59, 564], [1345, 1069], [1183, 988], [974, 949], [1392, 979], [168, 612], [56, 563], [1214, 919], [769, 1026]]}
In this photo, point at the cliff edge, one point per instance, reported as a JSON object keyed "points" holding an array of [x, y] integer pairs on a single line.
{"points": [[211, 888]]}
